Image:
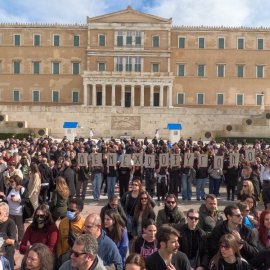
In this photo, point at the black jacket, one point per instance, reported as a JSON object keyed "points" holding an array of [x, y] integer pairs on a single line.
{"points": [[194, 239], [249, 249], [241, 264]]}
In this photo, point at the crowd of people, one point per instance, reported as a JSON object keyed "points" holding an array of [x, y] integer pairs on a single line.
{"points": [[44, 181]]}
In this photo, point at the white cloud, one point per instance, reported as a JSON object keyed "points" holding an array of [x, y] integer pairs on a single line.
{"points": [[183, 12]]}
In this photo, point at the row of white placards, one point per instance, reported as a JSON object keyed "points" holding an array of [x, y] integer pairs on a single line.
{"points": [[149, 161]]}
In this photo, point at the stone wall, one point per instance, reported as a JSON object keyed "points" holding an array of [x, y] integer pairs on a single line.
{"points": [[141, 121]]}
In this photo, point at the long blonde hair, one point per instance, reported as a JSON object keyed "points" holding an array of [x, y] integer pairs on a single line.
{"points": [[62, 187]]}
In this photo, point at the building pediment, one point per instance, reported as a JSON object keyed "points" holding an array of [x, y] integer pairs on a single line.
{"points": [[129, 15]]}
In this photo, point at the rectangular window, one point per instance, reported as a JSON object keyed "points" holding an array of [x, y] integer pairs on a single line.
{"points": [[75, 96], [16, 95], [180, 98], [36, 67], [36, 40], [55, 96], [128, 64], [36, 96], [76, 41], [17, 40], [220, 99], [102, 40], [259, 99], [200, 98], [56, 40], [120, 39], [239, 99], [16, 67], [221, 43], [221, 71], [101, 66], [240, 71], [201, 70], [181, 70], [138, 64], [201, 43], [55, 68], [155, 67], [156, 100], [75, 68], [138, 39], [182, 42], [119, 64], [129, 39], [240, 43], [260, 44], [155, 41], [259, 71]]}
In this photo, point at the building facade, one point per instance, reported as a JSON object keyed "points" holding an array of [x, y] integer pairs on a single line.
{"points": [[130, 72]]}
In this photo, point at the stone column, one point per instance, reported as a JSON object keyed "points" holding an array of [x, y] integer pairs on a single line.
{"points": [[122, 95], [142, 96], [103, 94], [94, 95], [113, 94], [169, 96], [151, 95], [85, 94], [161, 96], [132, 95]]}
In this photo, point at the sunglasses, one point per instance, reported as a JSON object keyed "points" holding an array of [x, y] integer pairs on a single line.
{"points": [[237, 215], [77, 254], [224, 246], [245, 185], [42, 216], [144, 199], [71, 210], [193, 218], [170, 202]]}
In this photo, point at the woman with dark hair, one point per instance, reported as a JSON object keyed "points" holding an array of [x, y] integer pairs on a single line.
{"points": [[254, 214], [143, 210], [146, 244], [114, 227], [41, 230], [34, 184], [228, 256], [135, 262], [38, 257], [58, 205], [264, 231]]}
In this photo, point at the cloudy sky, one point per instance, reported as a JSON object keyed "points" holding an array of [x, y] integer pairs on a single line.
{"points": [[183, 12]]}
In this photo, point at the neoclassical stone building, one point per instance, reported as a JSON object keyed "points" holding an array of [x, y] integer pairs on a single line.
{"points": [[131, 72]]}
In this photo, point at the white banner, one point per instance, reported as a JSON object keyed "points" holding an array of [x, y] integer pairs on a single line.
{"points": [[175, 160], [250, 155], [82, 159], [138, 159], [149, 161], [234, 159], [111, 159], [126, 161], [163, 160], [96, 159], [203, 160], [189, 160], [218, 162]]}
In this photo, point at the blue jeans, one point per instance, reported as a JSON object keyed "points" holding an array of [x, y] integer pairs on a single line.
{"points": [[186, 187], [97, 181], [200, 184], [111, 180], [214, 185]]}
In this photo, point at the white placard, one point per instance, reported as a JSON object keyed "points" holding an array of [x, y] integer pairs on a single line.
{"points": [[96, 159], [163, 160], [234, 159], [203, 160], [138, 159], [175, 160], [218, 162], [189, 160], [82, 159], [126, 160], [149, 161], [111, 159], [250, 155]]}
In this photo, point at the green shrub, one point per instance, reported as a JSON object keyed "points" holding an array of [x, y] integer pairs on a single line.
{"points": [[249, 140], [20, 136]]}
